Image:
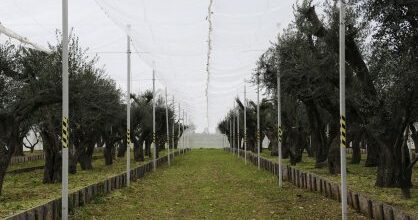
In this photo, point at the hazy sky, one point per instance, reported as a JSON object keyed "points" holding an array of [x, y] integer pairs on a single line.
{"points": [[170, 33]]}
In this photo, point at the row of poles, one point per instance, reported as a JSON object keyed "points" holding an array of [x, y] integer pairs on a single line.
{"points": [[181, 127], [235, 120], [65, 119], [65, 114]]}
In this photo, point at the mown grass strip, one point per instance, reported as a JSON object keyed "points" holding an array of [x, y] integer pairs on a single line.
{"points": [[211, 184], [26, 190], [362, 179]]}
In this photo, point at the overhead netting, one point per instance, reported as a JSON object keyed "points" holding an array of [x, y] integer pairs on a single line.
{"points": [[174, 34]]}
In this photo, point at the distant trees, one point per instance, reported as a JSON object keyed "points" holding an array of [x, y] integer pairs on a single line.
{"points": [[30, 96], [381, 85]]}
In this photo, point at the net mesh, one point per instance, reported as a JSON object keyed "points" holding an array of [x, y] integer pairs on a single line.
{"points": [[174, 35]]}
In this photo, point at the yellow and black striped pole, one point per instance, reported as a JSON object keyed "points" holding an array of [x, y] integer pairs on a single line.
{"points": [[258, 121], [245, 124], [65, 134], [173, 131], [343, 127], [128, 108], [65, 104], [168, 130], [154, 161], [280, 132]]}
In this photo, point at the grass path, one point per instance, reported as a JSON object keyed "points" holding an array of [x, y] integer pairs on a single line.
{"points": [[362, 179], [26, 190], [210, 184]]}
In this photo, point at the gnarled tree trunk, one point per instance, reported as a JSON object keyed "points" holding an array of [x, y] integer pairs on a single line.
{"points": [[356, 155], [6, 150], [373, 153], [53, 155]]}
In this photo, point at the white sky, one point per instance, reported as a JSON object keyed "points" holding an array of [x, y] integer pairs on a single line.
{"points": [[174, 34]]}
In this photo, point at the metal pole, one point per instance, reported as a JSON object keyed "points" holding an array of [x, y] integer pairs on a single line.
{"points": [[223, 142], [258, 121], [188, 132], [233, 129], [279, 127], [178, 139], [65, 121], [174, 150], [128, 110], [245, 124], [183, 134], [344, 210], [154, 162], [238, 139], [230, 135], [310, 142], [168, 130]]}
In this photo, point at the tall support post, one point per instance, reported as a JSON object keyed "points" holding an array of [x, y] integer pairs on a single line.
{"points": [[233, 129], [168, 130], [230, 134], [223, 142], [238, 138], [154, 162], [128, 109], [245, 124], [188, 131], [258, 121], [178, 138], [279, 132], [65, 120], [184, 133], [344, 211], [174, 131]]}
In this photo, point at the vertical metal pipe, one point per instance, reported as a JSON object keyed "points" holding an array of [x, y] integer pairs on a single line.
{"points": [[238, 139], [154, 97], [168, 130], [344, 211], [182, 136], [230, 134], [174, 131], [245, 124], [65, 120], [279, 127], [233, 129], [186, 130], [258, 121], [223, 142], [128, 109], [178, 139]]}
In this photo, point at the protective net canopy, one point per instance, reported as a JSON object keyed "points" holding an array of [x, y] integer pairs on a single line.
{"points": [[202, 51]]}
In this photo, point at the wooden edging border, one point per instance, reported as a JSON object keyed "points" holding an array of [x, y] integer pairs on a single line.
{"points": [[23, 159], [30, 169], [41, 156], [302, 179], [52, 209]]}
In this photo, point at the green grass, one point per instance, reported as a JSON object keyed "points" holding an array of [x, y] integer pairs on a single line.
{"points": [[26, 190], [362, 179], [210, 184], [35, 152], [35, 163]]}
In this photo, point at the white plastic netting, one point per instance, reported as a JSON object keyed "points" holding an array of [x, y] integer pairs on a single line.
{"points": [[173, 34]]}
